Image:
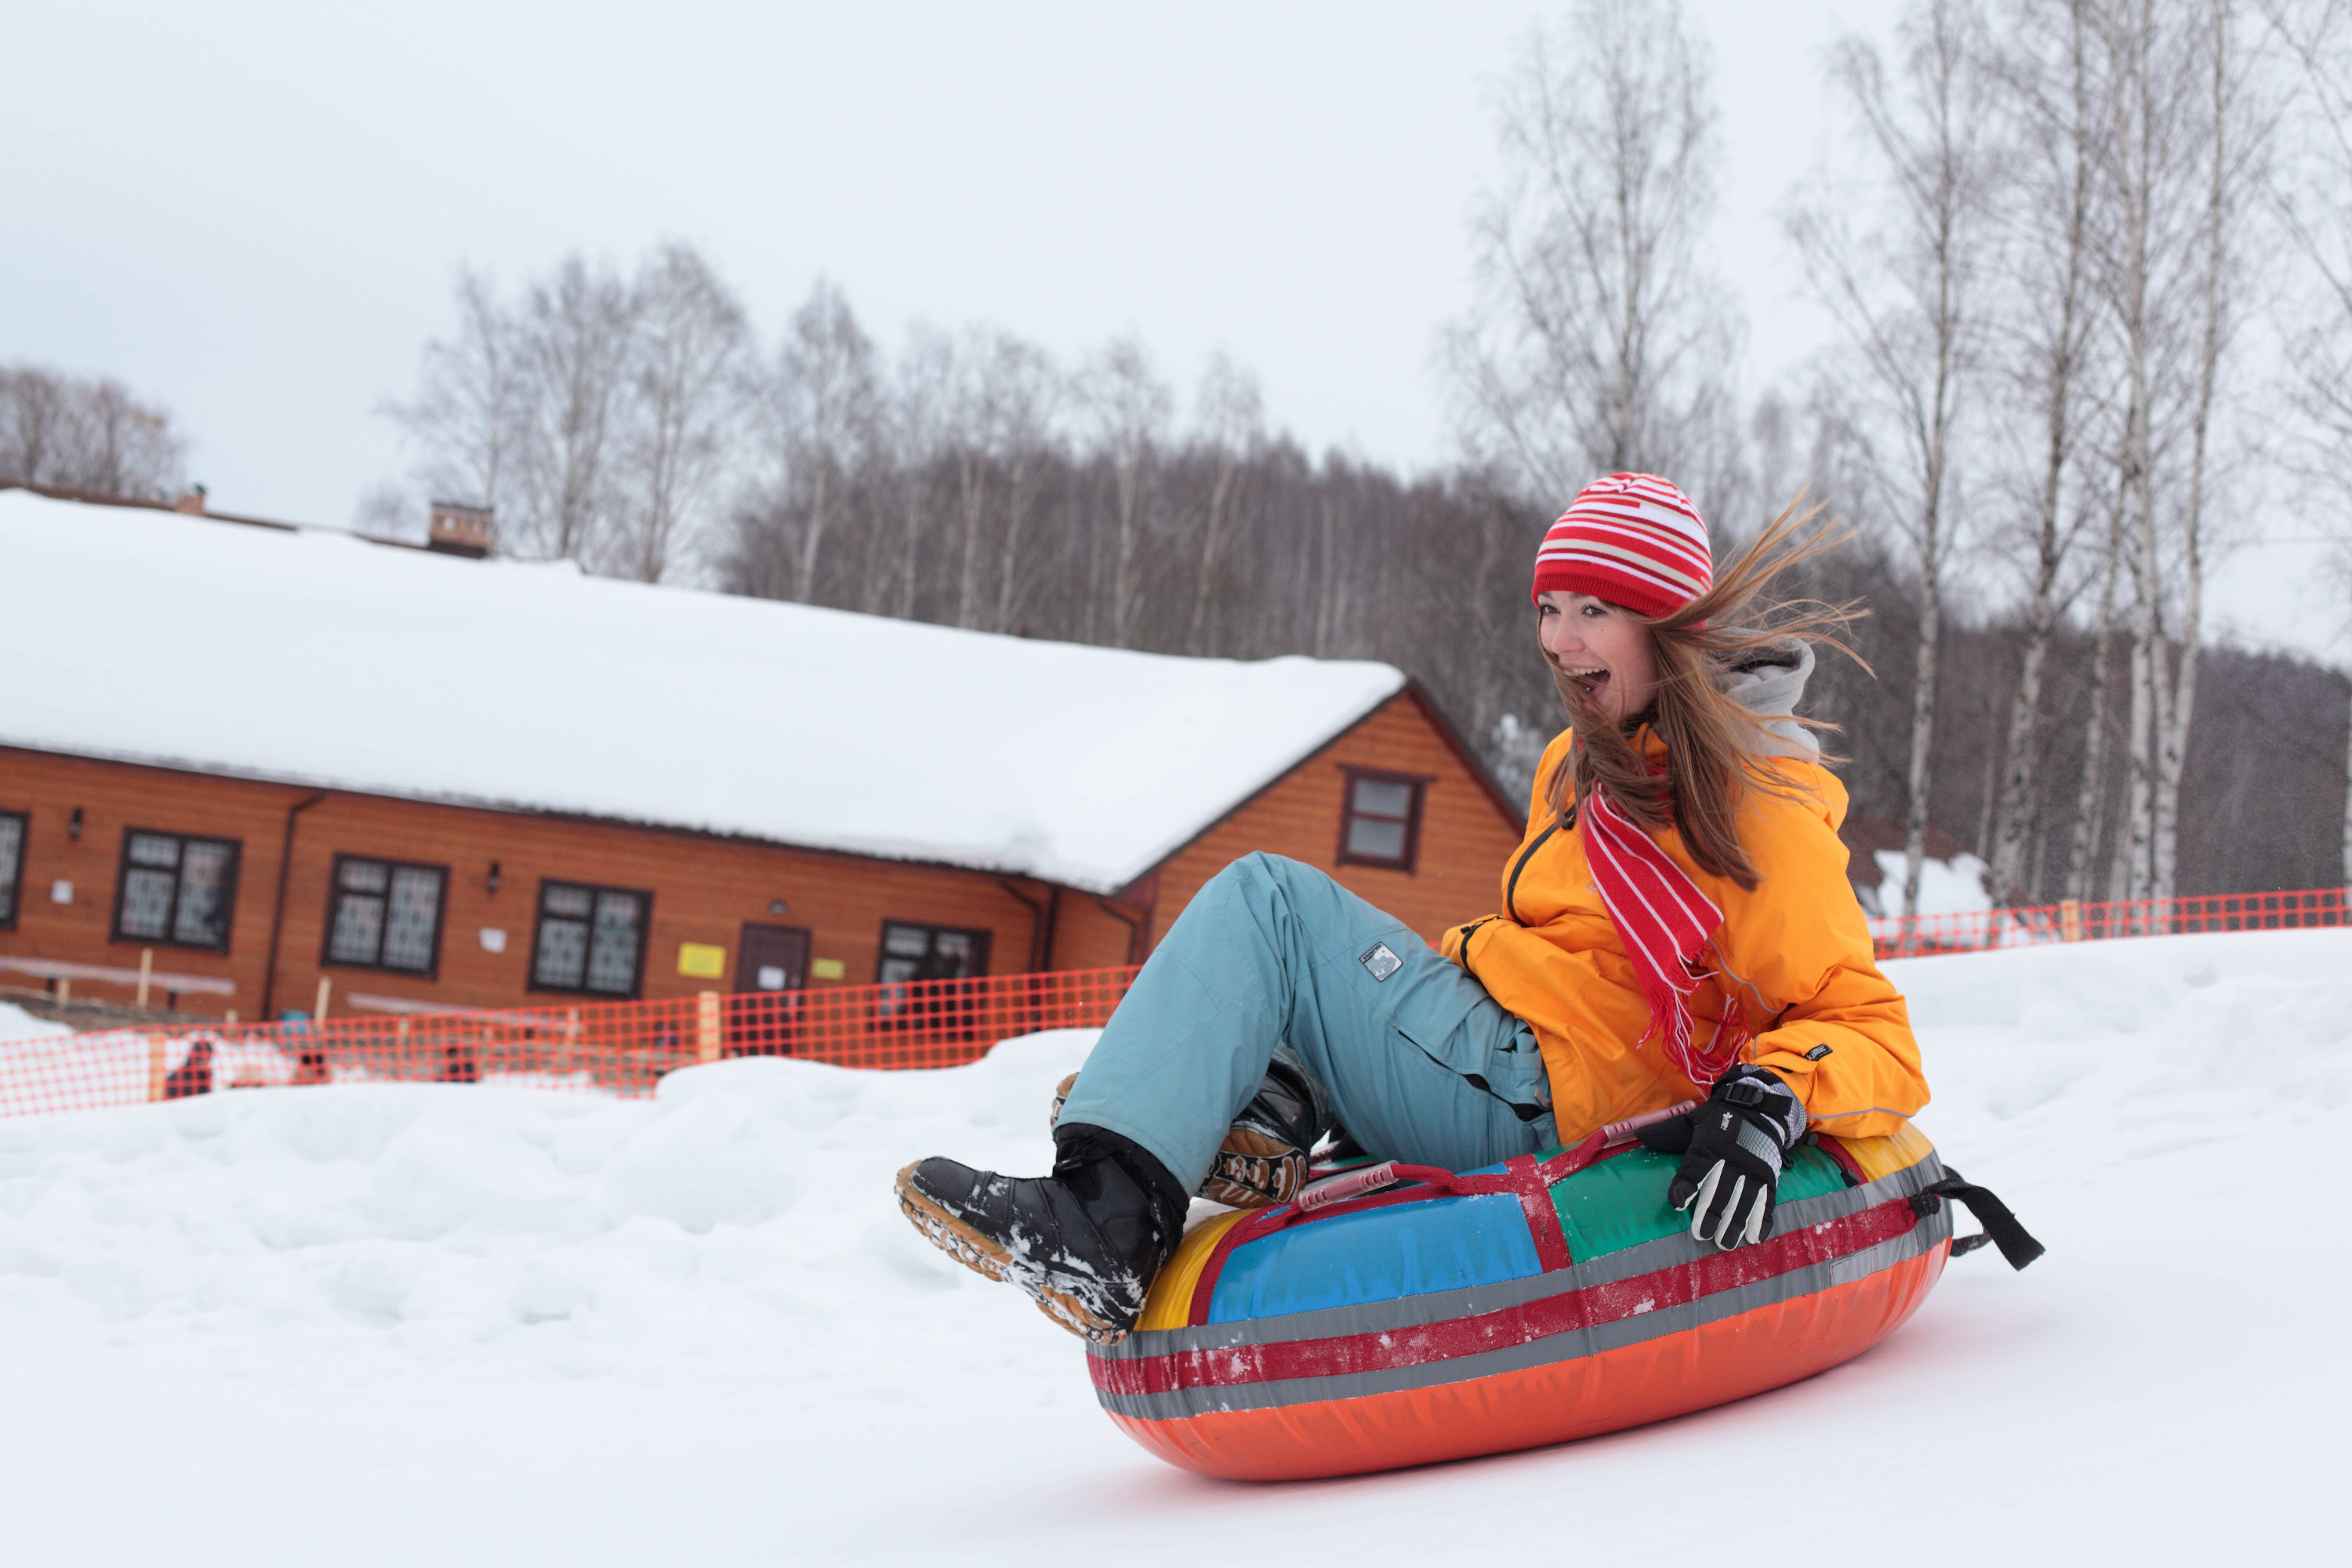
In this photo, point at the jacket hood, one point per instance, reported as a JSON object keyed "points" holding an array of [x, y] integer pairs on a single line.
{"points": [[1770, 682]]}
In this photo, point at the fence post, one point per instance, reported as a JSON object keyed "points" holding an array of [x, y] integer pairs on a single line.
{"points": [[146, 973], [705, 1027], [155, 1074], [318, 1011], [2070, 919]]}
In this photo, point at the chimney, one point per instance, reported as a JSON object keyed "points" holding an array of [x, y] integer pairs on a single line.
{"points": [[192, 501], [459, 529]]}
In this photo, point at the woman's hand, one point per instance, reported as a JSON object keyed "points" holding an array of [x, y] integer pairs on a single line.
{"points": [[1732, 1148]]}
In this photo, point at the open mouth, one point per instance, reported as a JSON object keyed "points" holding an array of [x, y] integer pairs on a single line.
{"points": [[1592, 680]]}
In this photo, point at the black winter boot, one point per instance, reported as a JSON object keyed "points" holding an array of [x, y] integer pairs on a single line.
{"points": [[1084, 1243], [1263, 1158]]}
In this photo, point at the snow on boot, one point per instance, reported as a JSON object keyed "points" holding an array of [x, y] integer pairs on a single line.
{"points": [[1082, 1242], [1263, 1160]]}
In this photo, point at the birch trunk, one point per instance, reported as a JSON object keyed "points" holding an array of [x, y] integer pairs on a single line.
{"points": [[2091, 797], [2174, 745]]}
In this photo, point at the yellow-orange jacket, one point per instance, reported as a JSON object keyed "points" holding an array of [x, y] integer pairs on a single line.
{"points": [[1794, 957]]}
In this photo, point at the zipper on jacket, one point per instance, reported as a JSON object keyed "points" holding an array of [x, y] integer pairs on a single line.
{"points": [[1467, 932], [1511, 892]]}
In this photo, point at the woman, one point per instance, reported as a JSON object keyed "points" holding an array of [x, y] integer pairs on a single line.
{"points": [[1675, 927]]}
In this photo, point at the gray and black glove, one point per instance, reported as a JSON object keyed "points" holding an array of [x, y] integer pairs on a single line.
{"points": [[1732, 1149]]}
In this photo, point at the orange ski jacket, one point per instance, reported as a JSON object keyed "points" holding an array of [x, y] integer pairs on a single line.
{"points": [[1793, 957]]}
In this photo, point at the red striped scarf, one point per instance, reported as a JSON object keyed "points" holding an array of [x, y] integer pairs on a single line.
{"points": [[1664, 923]]}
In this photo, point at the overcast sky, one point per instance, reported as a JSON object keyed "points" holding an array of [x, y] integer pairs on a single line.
{"points": [[253, 212]]}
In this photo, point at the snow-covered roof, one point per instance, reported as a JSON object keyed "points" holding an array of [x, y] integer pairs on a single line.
{"points": [[315, 657]]}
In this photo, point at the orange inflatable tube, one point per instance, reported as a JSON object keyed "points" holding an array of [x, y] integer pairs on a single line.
{"points": [[1546, 1299]]}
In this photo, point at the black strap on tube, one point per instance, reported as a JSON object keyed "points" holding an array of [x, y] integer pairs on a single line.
{"points": [[2000, 1227]]}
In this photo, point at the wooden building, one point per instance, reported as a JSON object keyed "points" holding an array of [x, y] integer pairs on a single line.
{"points": [[243, 767]]}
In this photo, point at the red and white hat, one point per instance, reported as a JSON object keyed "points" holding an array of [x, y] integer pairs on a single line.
{"points": [[1634, 540]]}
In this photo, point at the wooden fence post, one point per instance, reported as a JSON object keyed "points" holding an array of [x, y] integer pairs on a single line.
{"points": [[319, 1010], [2070, 919], [146, 973], [156, 1074], [705, 1027]]}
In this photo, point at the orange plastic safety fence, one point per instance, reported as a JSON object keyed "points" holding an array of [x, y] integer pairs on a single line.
{"points": [[1898, 937], [614, 1047]]}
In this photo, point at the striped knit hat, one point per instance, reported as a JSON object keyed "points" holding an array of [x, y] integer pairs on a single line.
{"points": [[1634, 540]]}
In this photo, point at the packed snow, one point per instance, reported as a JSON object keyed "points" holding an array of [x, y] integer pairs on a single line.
{"points": [[397, 1324], [16, 1024], [1953, 886], [528, 685]]}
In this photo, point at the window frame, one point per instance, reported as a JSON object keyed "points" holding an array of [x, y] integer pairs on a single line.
{"points": [[982, 941], [15, 887], [229, 884], [1417, 783], [335, 891], [645, 897]]}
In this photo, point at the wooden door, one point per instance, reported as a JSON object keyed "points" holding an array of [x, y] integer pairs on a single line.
{"points": [[772, 958], [770, 967]]}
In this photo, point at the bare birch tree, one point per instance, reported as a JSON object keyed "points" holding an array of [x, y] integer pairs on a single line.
{"points": [[573, 348], [691, 342], [1132, 409], [1903, 289], [1600, 339], [822, 417], [2046, 342], [2181, 146], [86, 433], [1230, 419], [1027, 392], [466, 416]]}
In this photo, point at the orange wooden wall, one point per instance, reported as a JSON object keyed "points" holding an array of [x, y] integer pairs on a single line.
{"points": [[704, 888], [1466, 834]]}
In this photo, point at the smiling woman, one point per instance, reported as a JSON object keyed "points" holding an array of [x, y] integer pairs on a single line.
{"points": [[1676, 928]]}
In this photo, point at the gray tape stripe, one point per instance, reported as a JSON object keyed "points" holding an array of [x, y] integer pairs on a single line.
{"points": [[1444, 1305], [1570, 1345]]}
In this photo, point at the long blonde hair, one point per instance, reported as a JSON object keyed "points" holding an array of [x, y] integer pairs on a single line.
{"points": [[1717, 749]]}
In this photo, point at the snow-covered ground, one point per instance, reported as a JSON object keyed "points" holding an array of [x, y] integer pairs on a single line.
{"points": [[1953, 886], [409, 1324]]}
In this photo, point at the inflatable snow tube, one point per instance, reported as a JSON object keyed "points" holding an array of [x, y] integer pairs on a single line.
{"points": [[1549, 1298]]}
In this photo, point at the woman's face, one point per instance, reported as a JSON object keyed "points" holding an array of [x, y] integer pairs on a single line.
{"points": [[1603, 649]]}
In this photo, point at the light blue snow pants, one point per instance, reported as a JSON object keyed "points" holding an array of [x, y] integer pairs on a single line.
{"points": [[1418, 1062]]}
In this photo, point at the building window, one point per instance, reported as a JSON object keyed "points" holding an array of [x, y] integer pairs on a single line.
{"points": [[1382, 826], [386, 915], [931, 953], [590, 938], [12, 865], [911, 953], [176, 890]]}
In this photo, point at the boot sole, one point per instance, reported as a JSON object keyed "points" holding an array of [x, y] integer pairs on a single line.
{"points": [[991, 1260]]}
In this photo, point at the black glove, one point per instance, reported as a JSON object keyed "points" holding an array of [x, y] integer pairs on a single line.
{"points": [[1731, 1149]]}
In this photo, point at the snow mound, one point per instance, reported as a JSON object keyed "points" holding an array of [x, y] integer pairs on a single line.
{"points": [[488, 1324], [1953, 886], [16, 1024]]}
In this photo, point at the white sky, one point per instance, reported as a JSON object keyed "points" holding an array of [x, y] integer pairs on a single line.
{"points": [[254, 212]]}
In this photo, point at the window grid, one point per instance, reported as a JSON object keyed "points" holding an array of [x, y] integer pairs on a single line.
{"points": [[590, 938], [1379, 819], [14, 825], [386, 914], [176, 889]]}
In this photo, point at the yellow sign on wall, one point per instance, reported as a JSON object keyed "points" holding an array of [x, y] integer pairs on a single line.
{"points": [[826, 969], [701, 961]]}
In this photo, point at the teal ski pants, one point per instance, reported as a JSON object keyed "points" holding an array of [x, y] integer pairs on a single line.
{"points": [[1416, 1061]]}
